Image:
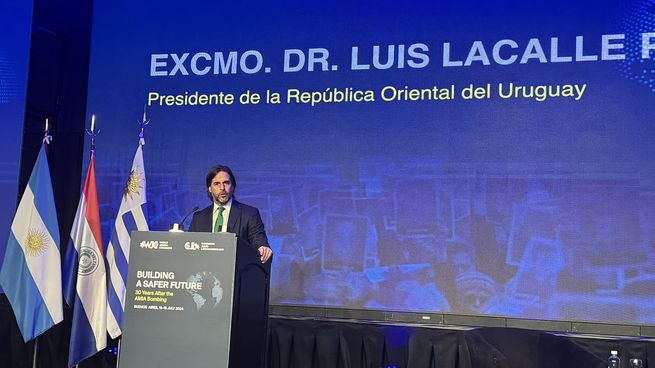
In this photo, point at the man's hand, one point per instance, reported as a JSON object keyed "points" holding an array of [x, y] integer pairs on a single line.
{"points": [[265, 253]]}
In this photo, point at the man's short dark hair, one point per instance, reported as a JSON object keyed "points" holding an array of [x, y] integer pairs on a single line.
{"points": [[215, 170]]}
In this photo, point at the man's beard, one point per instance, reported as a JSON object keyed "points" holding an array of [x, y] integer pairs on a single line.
{"points": [[218, 200]]}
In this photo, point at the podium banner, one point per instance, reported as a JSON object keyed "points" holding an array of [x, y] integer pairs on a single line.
{"points": [[178, 307]]}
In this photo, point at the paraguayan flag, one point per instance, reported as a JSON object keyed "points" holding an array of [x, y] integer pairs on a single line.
{"points": [[85, 282]]}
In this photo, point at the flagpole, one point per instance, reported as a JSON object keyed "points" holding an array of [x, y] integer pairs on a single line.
{"points": [[118, 356], [46, 133], [144, 122], [93, 133], [36, 350], [133, 206], [142, 141], [46, 140]]}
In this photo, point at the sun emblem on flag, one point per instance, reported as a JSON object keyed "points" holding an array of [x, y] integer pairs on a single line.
{"points": [[37, 242], [133, 183]]}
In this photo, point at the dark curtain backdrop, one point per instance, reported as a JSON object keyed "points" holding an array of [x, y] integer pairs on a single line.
{"points": [[322, 344], [311, 343]]}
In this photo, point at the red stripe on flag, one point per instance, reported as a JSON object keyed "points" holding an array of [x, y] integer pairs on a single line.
{"points": [[92, 209]]}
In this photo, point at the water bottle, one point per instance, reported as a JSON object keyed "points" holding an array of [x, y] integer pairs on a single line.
{"points": [[614, 361]]}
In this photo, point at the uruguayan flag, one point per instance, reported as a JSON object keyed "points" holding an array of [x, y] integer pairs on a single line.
{"points": [[31, 271], [85, 282], [131, 216]]}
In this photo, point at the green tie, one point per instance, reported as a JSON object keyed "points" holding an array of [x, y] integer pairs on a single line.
{"points": [[218, 225]]}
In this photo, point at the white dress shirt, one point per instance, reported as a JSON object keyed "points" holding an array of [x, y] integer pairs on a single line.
{"points": [[226, 214]]}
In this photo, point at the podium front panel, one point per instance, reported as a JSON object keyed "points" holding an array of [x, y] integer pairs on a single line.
{"points": [[178, 306]]}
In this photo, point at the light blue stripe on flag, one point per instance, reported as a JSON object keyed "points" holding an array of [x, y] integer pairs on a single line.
{"points": [[24, 296], [31, 270], [44, 202]]}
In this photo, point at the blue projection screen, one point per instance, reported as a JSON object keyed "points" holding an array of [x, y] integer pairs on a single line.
{"points": [[15, 26], [469, 158]]}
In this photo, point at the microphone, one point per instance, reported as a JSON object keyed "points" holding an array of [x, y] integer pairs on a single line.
{"points": [[194, 210], [180, 227]]}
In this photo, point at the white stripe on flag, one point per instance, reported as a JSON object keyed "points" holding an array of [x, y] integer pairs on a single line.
{"points": [[116, 279], [139, 218], [112, 324], [46, 258], [92, 288], [123, 237], [81, 206]]}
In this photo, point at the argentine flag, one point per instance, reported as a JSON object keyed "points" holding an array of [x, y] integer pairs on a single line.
{"points": [[31, 271], [131, 216], [85, 282]]}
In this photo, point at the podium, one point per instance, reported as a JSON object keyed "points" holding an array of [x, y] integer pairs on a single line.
{"points": [[194, 300]]}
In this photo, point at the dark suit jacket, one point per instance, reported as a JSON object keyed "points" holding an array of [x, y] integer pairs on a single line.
{"points": [[244, 220]]}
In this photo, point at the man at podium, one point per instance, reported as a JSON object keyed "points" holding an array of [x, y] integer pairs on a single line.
{"points": [[226, 214]]}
